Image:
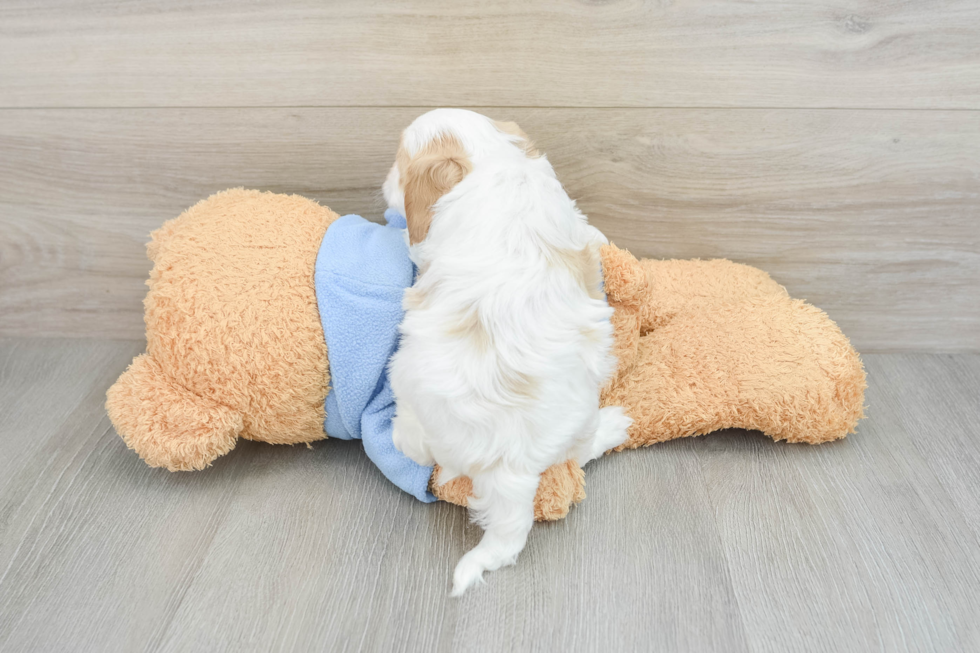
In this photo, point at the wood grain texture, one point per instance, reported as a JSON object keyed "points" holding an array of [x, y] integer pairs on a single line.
{"points": [[873, 216], [833, 144], [860, 53], [909, 555], [725, 543]]}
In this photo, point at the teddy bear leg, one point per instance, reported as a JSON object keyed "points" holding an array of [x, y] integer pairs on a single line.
{"points": [[769, 364], [166, 424], [561, 485]]}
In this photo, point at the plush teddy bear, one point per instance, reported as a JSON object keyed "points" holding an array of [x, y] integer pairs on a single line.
{"points": [[257, 299]]}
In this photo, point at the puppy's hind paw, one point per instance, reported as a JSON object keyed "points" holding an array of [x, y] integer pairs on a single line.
{"points": [[613, 429], [469, 572]]}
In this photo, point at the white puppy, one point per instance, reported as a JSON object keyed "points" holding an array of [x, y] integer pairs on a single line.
{"points": [[507, 339]]}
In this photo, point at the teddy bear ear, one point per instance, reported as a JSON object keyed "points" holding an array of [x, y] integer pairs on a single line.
{"points": [[624, 280], [167, 425]]}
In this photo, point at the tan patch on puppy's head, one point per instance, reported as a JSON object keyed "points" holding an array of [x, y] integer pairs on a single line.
{"points": [[514, 129], [426, 177]]}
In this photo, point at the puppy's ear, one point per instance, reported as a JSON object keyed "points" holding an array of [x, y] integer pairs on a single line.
{"points": [[428, 176], [512, 128]]}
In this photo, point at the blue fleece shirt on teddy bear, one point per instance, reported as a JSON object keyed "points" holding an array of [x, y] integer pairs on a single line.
{"points": [[362, 271]]}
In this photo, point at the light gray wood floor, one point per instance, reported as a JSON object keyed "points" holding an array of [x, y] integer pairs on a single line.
{"points": [[726, 543]]}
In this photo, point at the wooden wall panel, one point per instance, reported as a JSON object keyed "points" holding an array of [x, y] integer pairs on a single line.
{"points": [[676, 53], [872, 215]]}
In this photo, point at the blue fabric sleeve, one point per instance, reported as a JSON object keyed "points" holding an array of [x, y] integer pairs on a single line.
{"points": [[361, 273], [401, 470]]}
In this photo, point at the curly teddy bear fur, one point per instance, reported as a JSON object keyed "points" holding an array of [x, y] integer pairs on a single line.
{"points": [[234, 344], [235, 347]]}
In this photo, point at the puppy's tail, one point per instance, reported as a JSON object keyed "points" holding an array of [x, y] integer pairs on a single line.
{"points": [[503, 504]]}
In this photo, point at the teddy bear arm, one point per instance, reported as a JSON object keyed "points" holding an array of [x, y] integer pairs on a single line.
{"points": [[676, 286], [657, 290]]}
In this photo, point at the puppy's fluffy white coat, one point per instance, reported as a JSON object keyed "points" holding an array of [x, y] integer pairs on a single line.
{"points": [[506, 340]]}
